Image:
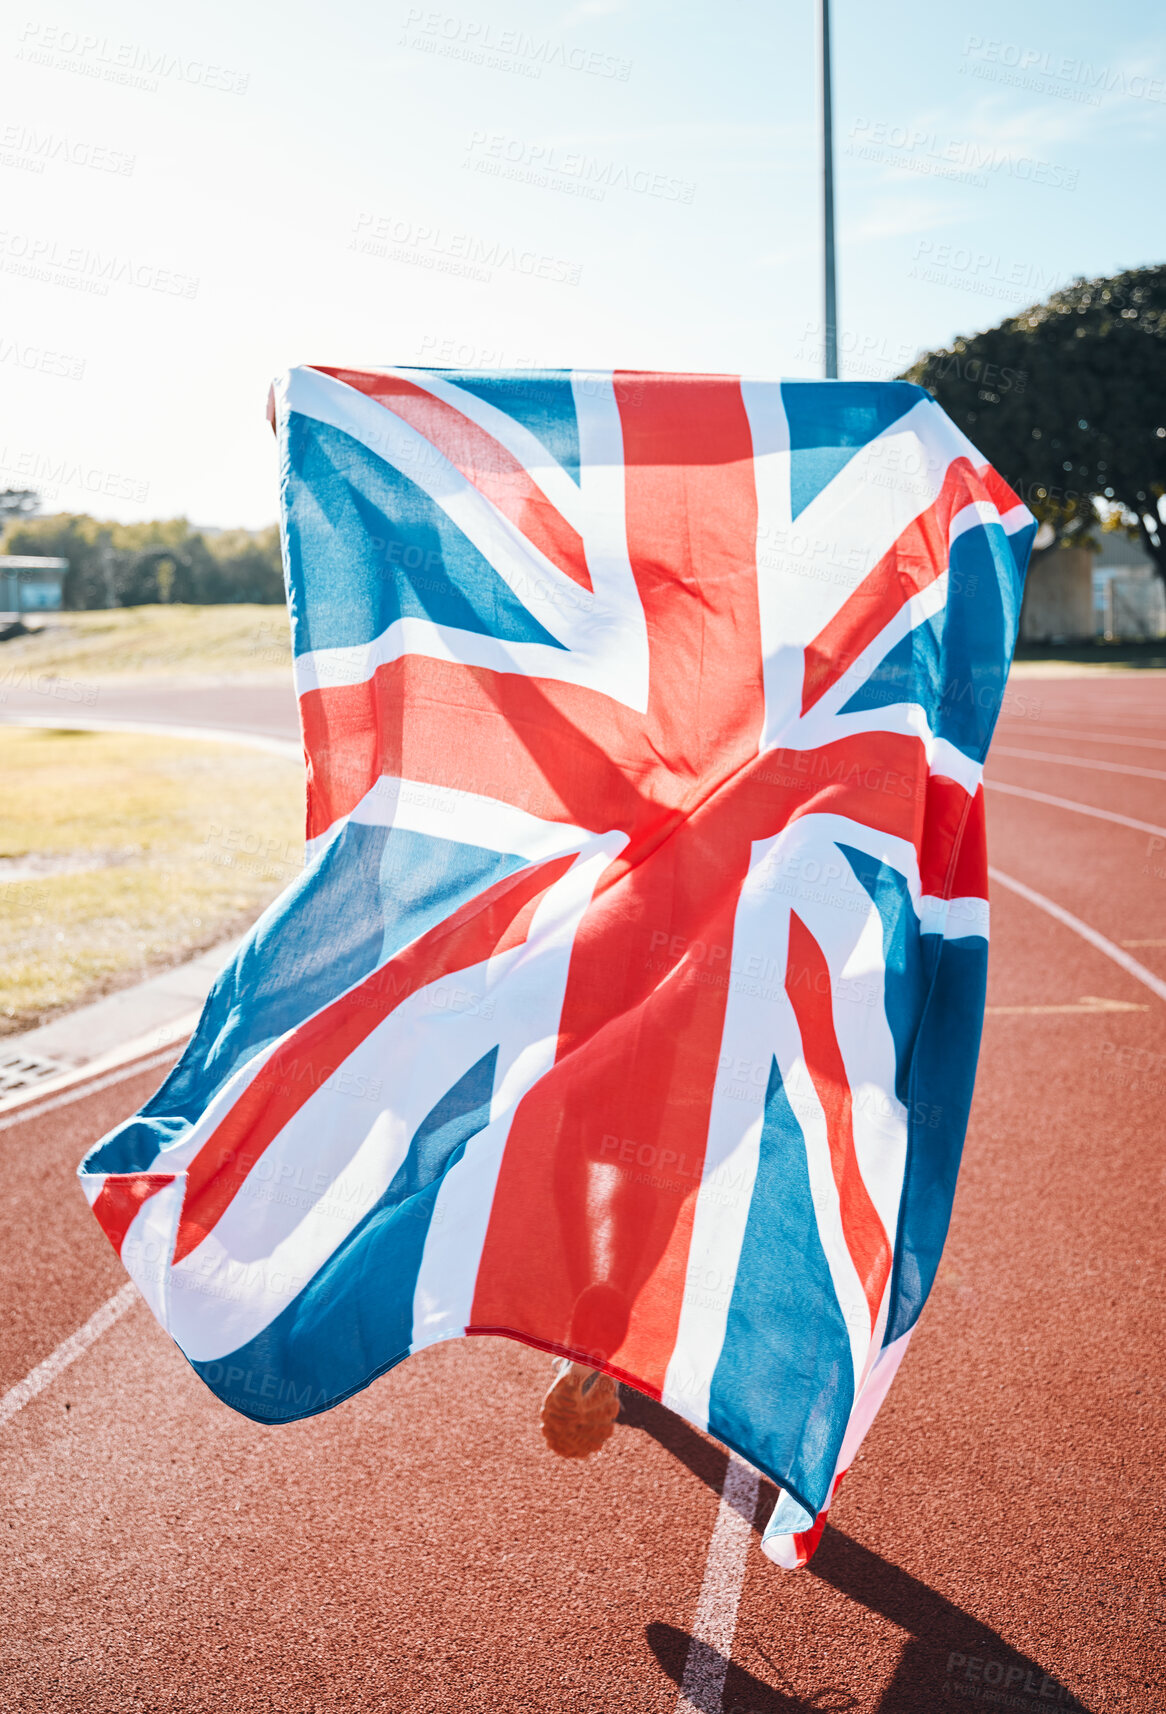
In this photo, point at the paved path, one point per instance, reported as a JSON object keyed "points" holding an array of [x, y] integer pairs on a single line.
{"points": [[265, 706], [999, 1539]]}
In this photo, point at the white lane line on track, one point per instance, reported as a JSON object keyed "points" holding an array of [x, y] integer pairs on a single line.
{"points": [[1089, 737], [1087, 1005], [1079, 808], [67, 1352], [702, 1688], [1111, 950], [1079, 762], [289, 747], [91, 1087]]}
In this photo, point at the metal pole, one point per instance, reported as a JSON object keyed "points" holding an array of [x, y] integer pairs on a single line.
{"points": [[831, 306]]}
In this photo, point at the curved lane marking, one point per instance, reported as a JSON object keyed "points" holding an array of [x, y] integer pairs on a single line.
{"points": [[1093, 737], [1088, 1004], [289, 747], [1110, 948], [1079, 762], [1079, 808]]}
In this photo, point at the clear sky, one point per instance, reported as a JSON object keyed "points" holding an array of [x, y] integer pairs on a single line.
{"points": [[195, 198]]}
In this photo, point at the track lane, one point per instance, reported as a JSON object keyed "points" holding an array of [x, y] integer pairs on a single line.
{"points": [[991, 1515], [1095, 764], [56, 1266], [416, 1548], [1122, 741], [1144, 799], [1107, 874], [1108, 948], [1002, 1508], [1076, 808]]}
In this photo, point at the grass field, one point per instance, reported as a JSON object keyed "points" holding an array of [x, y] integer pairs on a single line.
{"points": [[122, 641], [121, 855]]}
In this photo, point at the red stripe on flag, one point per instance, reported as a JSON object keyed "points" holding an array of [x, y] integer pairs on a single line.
{"points": [[877, 779], [121, 1196], [807, 982], [915, 560], [587, 1245], [482, 460], [474, 933], [948, 870], [969, 878], [558, 751]]}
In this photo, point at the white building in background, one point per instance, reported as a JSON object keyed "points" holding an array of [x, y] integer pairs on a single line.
{"points": [[31, 583], [1073, 595], [1129, 599]]}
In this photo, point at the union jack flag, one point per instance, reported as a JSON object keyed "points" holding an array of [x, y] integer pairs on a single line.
{"points": [[630, 1000]]}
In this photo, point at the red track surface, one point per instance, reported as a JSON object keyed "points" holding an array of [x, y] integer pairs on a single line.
{"points": [[417, 1549]]}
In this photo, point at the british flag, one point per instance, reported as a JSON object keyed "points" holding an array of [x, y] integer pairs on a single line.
{"points": [[630, 1000]]}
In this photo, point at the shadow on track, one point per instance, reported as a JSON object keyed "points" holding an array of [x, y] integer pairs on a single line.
{"points": [[950, 1657]]}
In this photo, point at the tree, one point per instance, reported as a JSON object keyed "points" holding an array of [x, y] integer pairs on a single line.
{"points": [[130, 565], [91, 580], [246, 565], [1068, 401]]}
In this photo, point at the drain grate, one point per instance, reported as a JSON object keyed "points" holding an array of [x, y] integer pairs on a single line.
{"points": [[25, 1070]]}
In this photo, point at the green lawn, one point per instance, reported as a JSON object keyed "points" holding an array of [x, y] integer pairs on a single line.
{"points": [[161, 640], [121, 855]]}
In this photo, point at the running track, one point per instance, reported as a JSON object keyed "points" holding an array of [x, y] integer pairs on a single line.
{"points": [[416, 1549]]}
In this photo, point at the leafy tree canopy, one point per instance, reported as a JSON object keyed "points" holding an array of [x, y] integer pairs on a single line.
{"points": [[1068, 401], [130, 565]]}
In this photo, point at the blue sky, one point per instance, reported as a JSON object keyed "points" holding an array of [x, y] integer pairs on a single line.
{"points": [[195, 199]]}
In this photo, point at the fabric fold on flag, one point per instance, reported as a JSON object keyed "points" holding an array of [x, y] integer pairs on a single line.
{"points": [[629, 1002]]}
